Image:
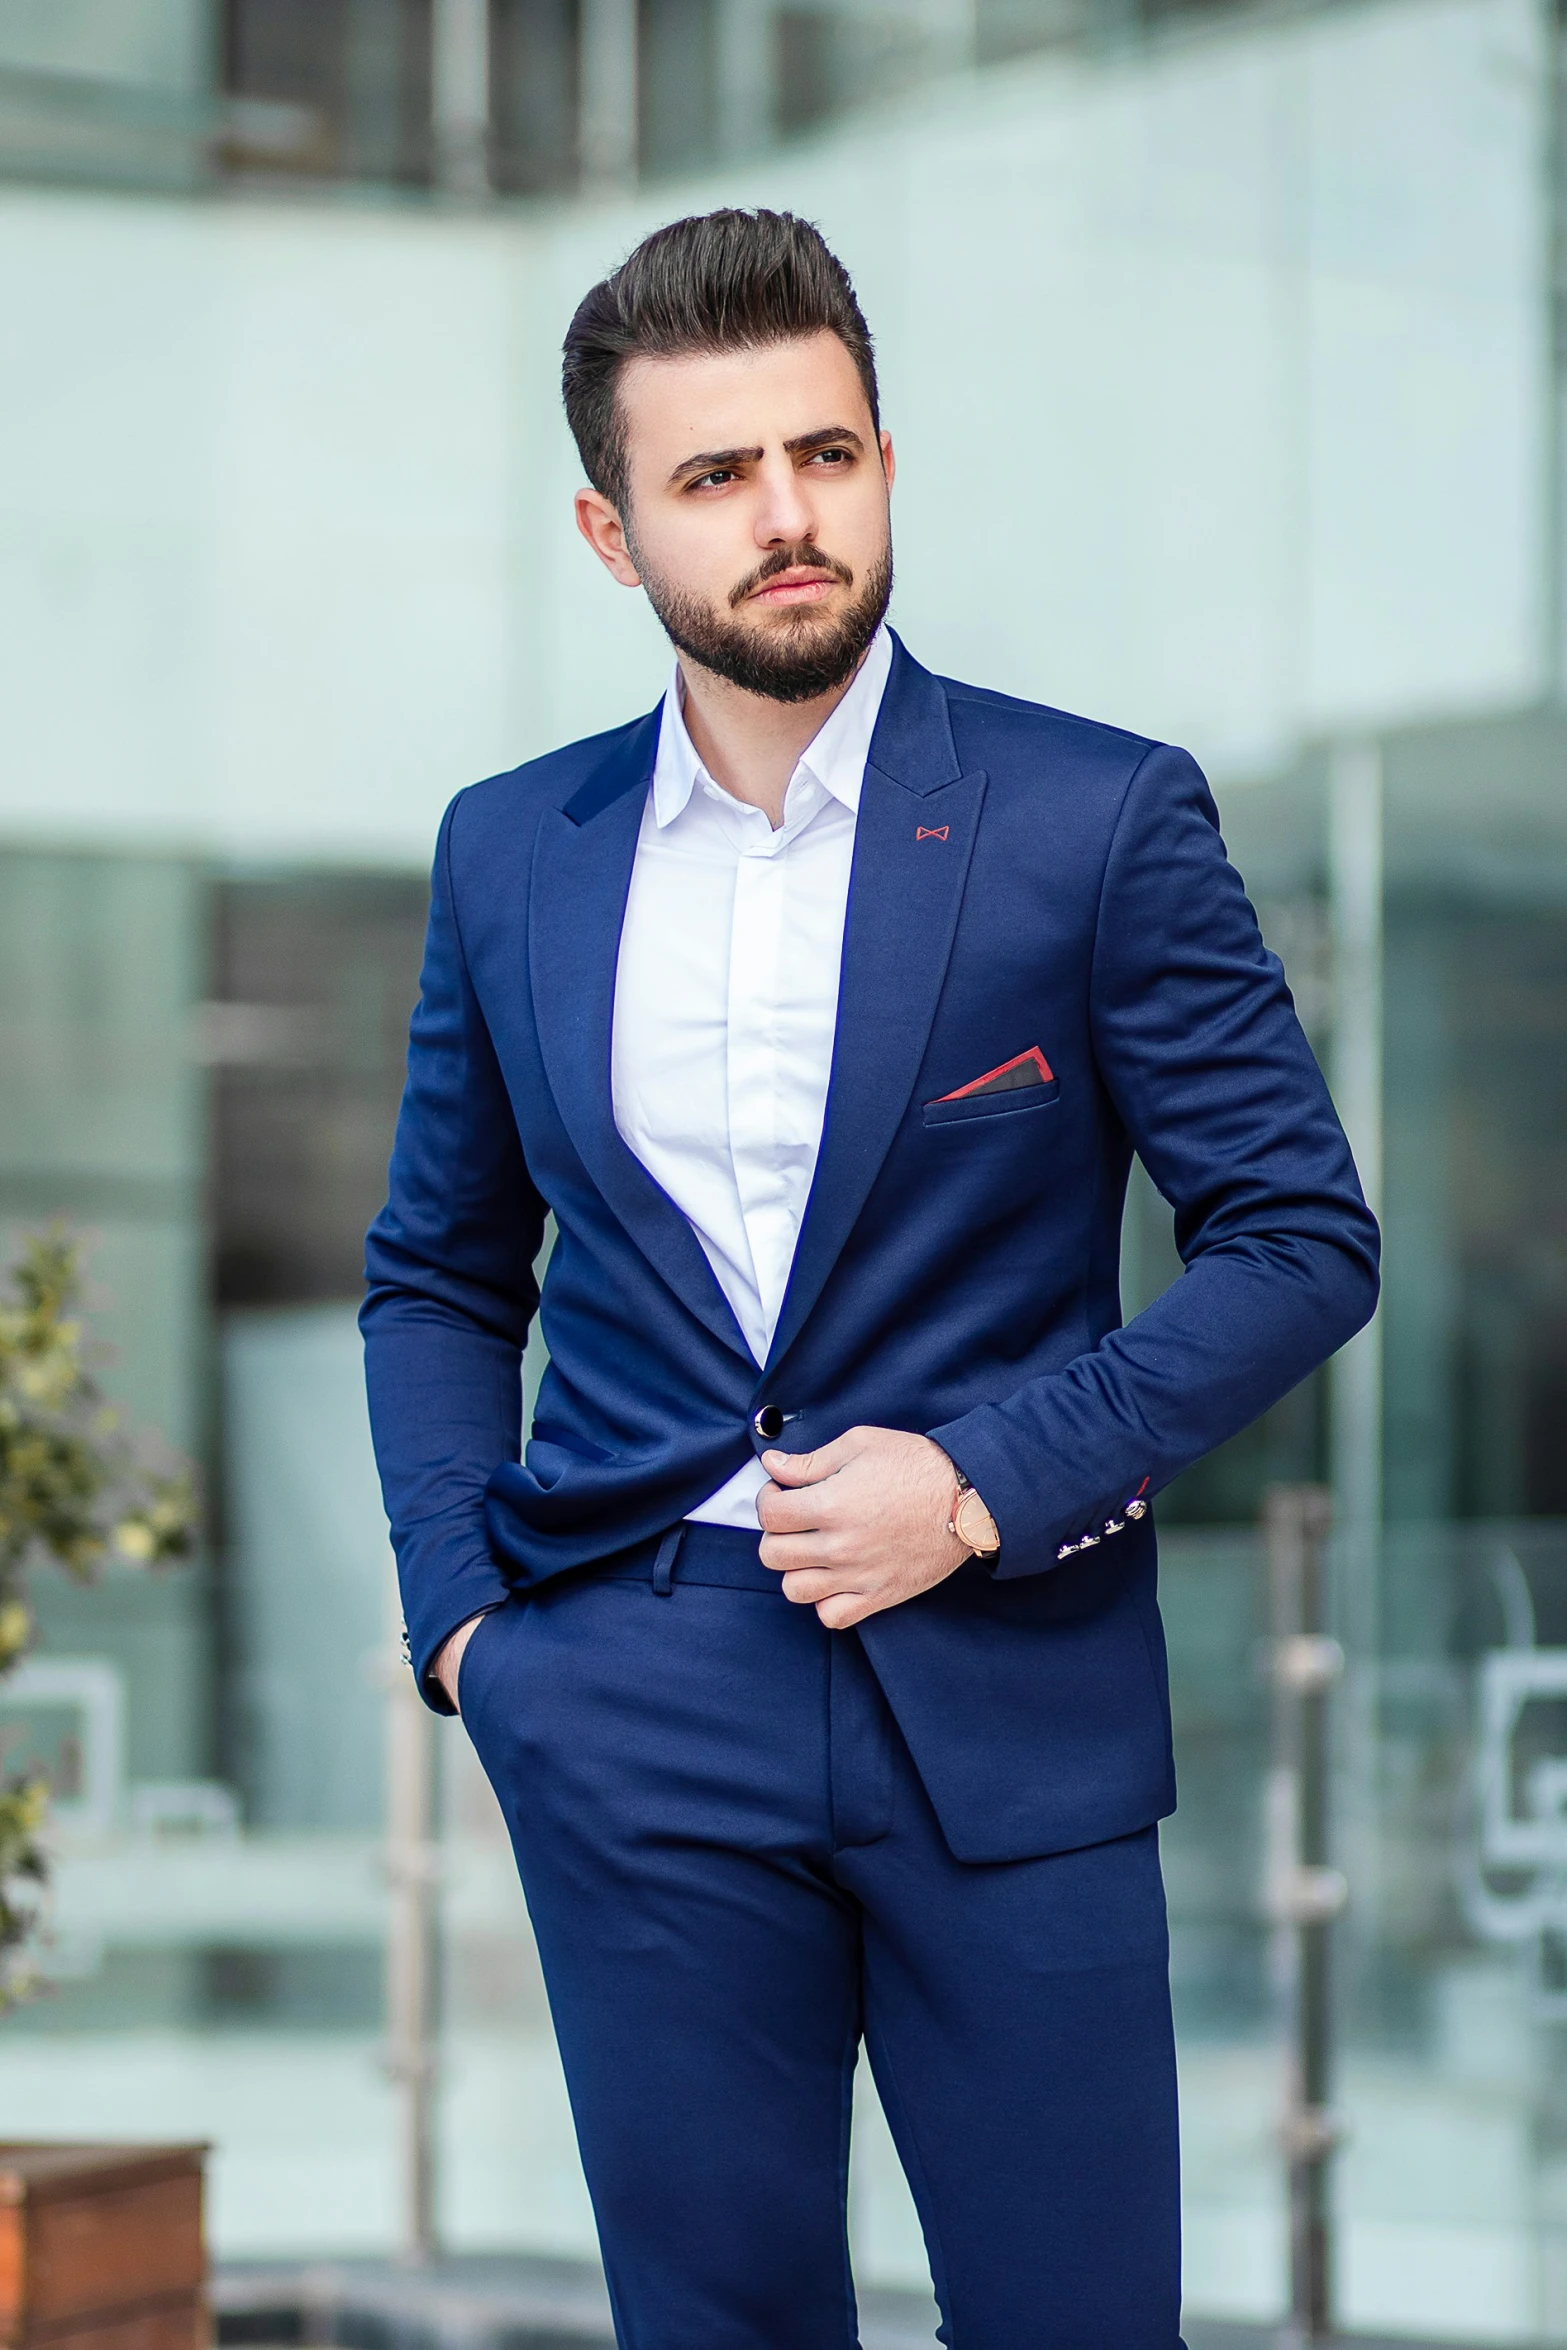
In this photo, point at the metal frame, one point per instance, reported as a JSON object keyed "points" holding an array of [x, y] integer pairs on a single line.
{"points": [[1304, 1893]]}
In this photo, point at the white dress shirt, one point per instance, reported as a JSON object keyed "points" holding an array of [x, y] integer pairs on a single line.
{"points": [[726, 1005]]}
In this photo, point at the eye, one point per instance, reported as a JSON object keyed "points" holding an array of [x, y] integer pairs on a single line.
{"points": [[831, 457], [714, 480]]}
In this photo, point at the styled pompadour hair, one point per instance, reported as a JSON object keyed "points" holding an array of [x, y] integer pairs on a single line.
{"points": [[720, 281]]}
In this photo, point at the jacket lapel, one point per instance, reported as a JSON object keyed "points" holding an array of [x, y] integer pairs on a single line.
{"points": [[581, 876], [915, 834]]}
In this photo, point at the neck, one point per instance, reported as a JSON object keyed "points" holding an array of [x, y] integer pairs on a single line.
{"points": [[749, 744]]}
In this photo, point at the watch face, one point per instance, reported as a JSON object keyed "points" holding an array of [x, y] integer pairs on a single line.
{"points": [[981, 1536]]}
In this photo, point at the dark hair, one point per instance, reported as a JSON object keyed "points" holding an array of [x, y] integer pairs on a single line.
{"points": [[721, 281]]}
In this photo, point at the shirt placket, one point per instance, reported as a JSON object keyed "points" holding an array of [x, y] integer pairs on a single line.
{"points": [[754, 1046]]}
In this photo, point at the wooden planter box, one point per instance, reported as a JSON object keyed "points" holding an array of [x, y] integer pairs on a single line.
{"points": [[101, 2248]]}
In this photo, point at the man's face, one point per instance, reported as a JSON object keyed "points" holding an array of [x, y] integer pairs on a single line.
{"points": [[757, 513]]}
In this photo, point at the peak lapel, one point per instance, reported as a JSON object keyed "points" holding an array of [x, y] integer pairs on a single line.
{"points": [[913, 840], [577, 902]]}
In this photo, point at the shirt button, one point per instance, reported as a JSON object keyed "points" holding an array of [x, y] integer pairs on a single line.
{"points": [[768, 1422]]}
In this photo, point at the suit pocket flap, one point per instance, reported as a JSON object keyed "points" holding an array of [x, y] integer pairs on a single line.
{"points": [[968, 1109]]}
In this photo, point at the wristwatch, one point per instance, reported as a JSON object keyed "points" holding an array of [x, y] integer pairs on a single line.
{"points": [[970, 1521]]}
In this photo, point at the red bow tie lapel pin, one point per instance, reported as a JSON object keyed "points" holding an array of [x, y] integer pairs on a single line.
{"points": [[931, 831]]}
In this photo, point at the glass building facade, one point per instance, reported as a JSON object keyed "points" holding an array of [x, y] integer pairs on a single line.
{"points": [[486, 98]]}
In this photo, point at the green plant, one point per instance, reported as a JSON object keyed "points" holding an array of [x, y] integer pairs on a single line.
{"points": [[77, 1489]]}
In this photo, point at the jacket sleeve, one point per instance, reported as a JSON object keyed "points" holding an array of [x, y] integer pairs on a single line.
{"points": [[449, 1263], [1198, 1046]]}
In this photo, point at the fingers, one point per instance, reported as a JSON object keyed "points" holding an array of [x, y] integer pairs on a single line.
{"points": [[844, 1609], [811, 1587], [781, 1512], [806, 1583], [809, 1567], [835, 1609], [806, 1553], [808, 1468]]}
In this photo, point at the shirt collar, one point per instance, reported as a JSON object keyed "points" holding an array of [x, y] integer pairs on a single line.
{"points": [[835, 755]]}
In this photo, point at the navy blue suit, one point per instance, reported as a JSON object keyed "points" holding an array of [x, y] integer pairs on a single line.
{"points": [[1023, 882]]}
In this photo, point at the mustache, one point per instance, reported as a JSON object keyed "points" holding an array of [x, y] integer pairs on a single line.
{"points": [[789, 559]]}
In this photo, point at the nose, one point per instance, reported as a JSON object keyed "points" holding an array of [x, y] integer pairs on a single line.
{"points": [[785, 514]]}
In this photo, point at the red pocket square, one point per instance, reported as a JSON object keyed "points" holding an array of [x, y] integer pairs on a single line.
{"points": [[1030, 1068]]}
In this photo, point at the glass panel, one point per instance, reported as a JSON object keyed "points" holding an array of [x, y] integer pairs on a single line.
{"points": [[106, 90], [217, 1947]]}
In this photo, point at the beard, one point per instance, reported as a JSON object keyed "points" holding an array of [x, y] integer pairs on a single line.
{"points": [[794, 655]]}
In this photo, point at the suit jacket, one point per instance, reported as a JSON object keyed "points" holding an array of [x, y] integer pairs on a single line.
{"points": [[1022, 881]]}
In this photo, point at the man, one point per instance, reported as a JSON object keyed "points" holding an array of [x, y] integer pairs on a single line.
{"points": [[810, 1642]]}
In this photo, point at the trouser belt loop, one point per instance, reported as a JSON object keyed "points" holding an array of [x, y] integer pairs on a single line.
{"points": [[664, 1561]]}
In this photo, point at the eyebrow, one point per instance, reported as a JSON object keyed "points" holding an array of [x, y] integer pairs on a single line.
{"points": [[805, 442], [711, 460]]}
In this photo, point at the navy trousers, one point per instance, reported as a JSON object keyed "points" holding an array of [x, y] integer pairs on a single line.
{"points": [[733, 1874]]}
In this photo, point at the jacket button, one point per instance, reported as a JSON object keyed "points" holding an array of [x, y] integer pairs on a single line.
{"points": [[768, 1422]]}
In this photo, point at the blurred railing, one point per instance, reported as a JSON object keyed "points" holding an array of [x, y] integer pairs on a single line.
{"points": [[1450, 1822]]}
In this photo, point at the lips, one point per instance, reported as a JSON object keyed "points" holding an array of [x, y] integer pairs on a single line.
{"points": [[793, 581], [795, 587]]}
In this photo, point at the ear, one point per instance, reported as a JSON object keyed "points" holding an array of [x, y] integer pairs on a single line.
{"points": [[601, 526], [889, 463]]}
